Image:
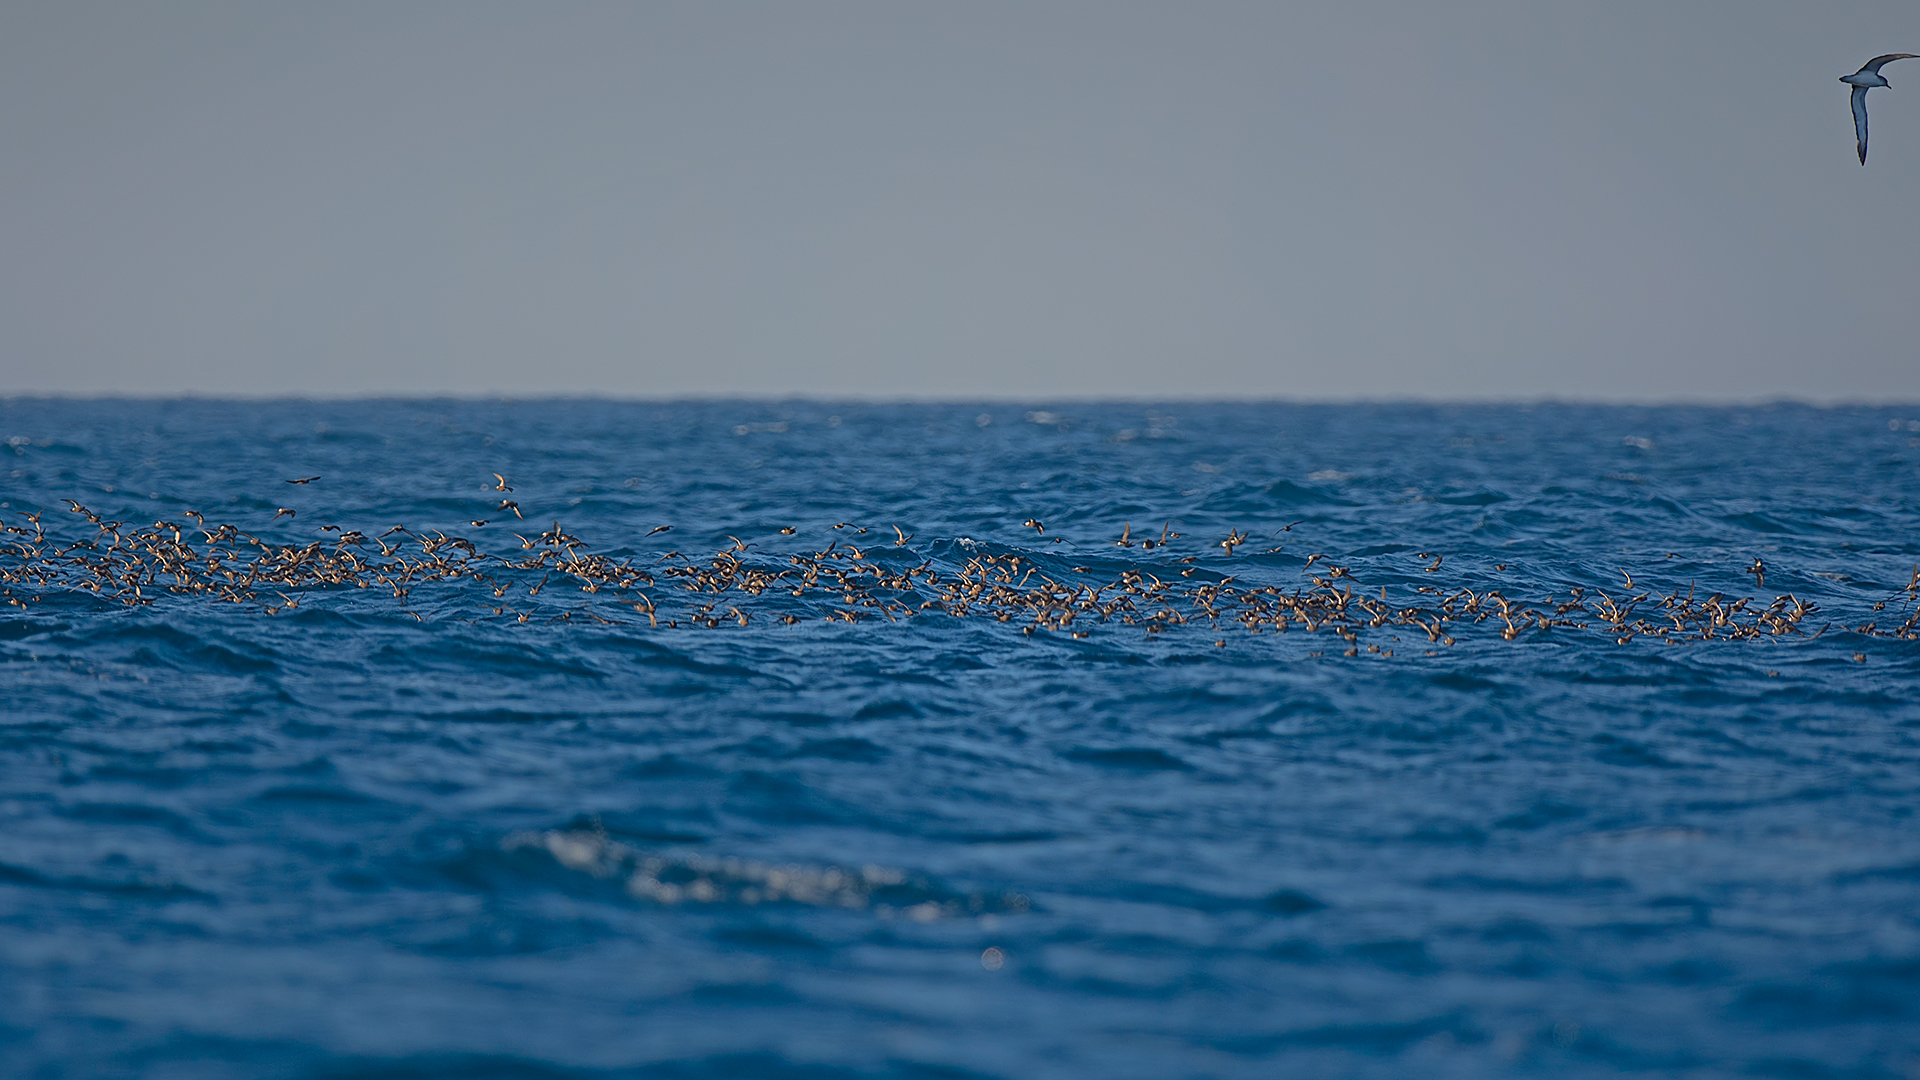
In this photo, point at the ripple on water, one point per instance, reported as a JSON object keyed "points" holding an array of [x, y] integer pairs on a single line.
{"points": [[731, 882]]}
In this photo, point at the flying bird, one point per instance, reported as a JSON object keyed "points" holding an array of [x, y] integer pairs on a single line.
{"points": [[311, 479], [1863, 80]]}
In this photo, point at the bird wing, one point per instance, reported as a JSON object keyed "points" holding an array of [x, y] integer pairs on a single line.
{"points": [[1874, 64], [1860, 120]]}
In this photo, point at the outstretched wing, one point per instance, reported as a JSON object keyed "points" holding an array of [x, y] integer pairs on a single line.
{"points": [[1874, 64], [1860, 120]]}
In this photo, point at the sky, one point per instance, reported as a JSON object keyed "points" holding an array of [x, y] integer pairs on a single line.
{"points": [[1470, 201]]}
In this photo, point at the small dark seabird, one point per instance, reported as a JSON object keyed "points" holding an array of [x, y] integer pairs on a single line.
{"points": [[1863, 80]]}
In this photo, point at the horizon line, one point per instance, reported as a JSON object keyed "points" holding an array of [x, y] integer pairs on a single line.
{"points": [[1762, 401]]}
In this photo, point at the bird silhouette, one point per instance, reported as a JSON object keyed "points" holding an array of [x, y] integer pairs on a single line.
{"points": [[1863, 80]]}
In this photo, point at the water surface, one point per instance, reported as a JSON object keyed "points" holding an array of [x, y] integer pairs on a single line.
{"points": [[379, 837]]}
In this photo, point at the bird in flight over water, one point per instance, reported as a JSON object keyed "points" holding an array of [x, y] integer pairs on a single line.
{"points": [[1863, 80]]}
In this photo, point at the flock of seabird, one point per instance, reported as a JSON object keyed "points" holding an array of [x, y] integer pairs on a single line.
{"points": [[553, 577]]}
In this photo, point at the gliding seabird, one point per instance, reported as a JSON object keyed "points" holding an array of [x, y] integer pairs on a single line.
{"points": [[1863, 80]]}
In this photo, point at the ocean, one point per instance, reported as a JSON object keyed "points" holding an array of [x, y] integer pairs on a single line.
{"points": [[957, 740]]}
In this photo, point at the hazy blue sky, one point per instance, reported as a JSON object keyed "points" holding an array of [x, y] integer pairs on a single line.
{"points": [[1470, 201]]}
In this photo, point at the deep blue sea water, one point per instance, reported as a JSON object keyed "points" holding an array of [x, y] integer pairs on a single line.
{"points": [[370, 836]]}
